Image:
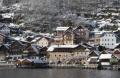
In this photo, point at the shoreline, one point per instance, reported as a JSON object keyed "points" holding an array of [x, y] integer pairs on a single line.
{"points": [[64, 66]]}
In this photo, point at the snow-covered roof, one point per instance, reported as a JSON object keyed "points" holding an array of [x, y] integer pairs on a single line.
{"points": [[87, 50], [58, 38], [117, 20], [45, 34], [19, 38], [105, 56], [28, 31], [105, 14], [35, 48], [93, 59], [104, 22], [8, 15], [118, 28], [61, 28], [51, 48], [115, 14], [13, 25], [28, 60], [96, 31], [37, 38], [16, 5], [20, 60]]}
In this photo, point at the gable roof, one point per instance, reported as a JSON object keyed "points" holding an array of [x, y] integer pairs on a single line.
{"points": [[19, 43], [69, 30], [33, 48], [66, 48], [94, 53], [117, 56], [41, 37], [3, 35], [116, 52], [62, 28], [105, 56], [53, 47], [4, 46], [118, 46], [108, 32], [88, 46], [36, 48], [80, 27]]}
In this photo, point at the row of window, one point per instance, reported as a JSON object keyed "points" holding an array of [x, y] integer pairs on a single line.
{"points": [[110, 35], [73, 54], [107, 39], [108, 44]]}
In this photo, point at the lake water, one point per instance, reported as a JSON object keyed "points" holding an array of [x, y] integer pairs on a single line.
{"points": [[57, 73]]}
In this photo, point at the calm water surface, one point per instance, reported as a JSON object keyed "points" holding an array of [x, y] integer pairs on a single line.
{"points": [[57, 73]]}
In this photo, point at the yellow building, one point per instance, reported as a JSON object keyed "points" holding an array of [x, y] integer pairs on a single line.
{"points": [[66, 53]]}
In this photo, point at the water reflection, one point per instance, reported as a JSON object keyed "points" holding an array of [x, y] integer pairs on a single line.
{"points": [[57, 73]]}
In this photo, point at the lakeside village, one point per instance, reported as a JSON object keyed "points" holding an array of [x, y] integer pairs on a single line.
{"points": [[96, 44]]}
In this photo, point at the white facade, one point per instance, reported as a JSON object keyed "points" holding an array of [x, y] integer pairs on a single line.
{"points": [[105, 59], [108, 40]]}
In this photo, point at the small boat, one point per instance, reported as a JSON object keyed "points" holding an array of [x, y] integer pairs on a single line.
{"points": [[36, 62]]}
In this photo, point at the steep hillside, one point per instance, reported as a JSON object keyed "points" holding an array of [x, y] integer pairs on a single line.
{"points": [[44, 15]]}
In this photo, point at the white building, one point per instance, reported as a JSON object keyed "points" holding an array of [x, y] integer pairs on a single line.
{"points": [[109, 40], [105, 59]]}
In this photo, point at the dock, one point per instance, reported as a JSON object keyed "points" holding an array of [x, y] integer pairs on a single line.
{"points": [[6, 64]]}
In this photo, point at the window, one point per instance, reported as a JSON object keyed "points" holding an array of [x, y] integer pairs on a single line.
{"points": [[82, 33], [81, 29], [59, 55]]}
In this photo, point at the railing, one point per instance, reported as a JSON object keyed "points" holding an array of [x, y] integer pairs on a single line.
{"points": [[65, 65], [93, 66], [115, 67]]}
